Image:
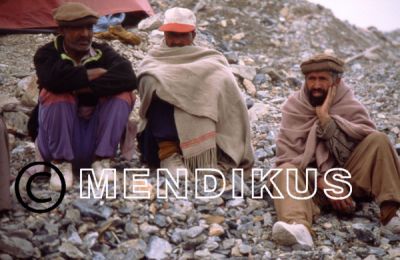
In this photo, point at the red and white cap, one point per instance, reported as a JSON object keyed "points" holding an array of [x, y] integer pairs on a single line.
{"points": [[177, 19]]}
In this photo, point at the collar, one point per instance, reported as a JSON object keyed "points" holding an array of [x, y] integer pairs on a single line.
{"points": [[92, 55]]}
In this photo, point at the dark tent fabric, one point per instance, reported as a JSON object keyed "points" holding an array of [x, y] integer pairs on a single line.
{"points": [[37, 14]]}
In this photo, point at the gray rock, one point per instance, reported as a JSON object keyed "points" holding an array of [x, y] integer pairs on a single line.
{"points": [[202, 254], [17, 122], [73, 236], [158, 248], [132, 230], [73, 215], [228, 243], [17, 247], [261, 154], [160, 220], [71, 251], [231, 57], [87, 209], [51, 228], [244, 249], [260, 79], [21, 233], [263, 94], [151, 23], [5, 257], [90, 239], [194, 242], [394, 252], [364, 233], [148, 229], [377, 251], [235, 203], [244, 72], [98, 256], [193, 232]]}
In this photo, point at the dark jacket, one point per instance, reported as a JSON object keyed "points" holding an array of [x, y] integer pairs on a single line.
{"points": [[57, 73]]}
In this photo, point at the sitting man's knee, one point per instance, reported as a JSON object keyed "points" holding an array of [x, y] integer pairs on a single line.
{"points": [[378, 138]]}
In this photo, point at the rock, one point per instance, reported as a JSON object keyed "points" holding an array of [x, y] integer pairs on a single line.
{"points": [[238, 36], [267, 255], [71, 251], [183, 207], [258, 112], [244, 249], [231, 57], [151, 23], [394, 252], [260, 79], [327, 225], [212, 243], [8, 103], [51, 228], [211, 219], [236, 251], [5, 257], [133, 249], [261, 154], [90, 239], [30, 90], [228, 243], [363, 233], [73, 215], [17, 247], [235, 203], [73, 236], [132, 230], [148, 229], [377, 251], [250, 88], [244, 72], [16, 122], [22, 233], [87, 209], [216, 230], [194, 242], [202, 254], [160, 220], [98, 256], [193, 232], [158, 248]]}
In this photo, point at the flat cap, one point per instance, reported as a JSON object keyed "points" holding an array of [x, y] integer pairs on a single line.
{"points": [[74, 14], [322, 62]]}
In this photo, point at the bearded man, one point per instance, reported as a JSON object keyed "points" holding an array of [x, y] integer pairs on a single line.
{"points": [[323, 127]]}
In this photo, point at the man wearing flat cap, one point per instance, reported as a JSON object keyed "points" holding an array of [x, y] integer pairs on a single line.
{"points": [[324, 127], [193, 115], [85, 96]]}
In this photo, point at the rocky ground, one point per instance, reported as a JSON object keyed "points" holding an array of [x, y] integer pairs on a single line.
{"points": [[264, 41]]}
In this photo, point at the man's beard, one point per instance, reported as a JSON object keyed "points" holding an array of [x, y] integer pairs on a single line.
{"points": [[316, 101]]}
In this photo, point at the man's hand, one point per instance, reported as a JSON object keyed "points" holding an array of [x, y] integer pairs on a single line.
{"points": [[95, 73], [346, 206], [323, 111]]}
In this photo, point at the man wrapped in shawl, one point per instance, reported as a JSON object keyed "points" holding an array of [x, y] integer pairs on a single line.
{"points": [[323, 127], [193, 115]]}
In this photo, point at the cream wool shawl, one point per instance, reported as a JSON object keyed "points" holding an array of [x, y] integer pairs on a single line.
{"points": [[297, 141], [209, 109]]}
